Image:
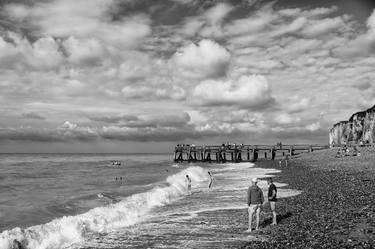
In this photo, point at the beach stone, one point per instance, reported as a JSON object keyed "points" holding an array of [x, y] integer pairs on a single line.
{"points": [[335, 209]]}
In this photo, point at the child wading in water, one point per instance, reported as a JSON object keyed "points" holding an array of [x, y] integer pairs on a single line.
{"points": [[188, 183], [210, 180]]}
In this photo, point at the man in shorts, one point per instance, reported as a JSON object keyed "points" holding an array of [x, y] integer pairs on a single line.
{"points": [[255, 200], [272, 191]]}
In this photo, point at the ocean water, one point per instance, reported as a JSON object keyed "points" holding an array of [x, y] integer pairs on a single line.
{"points": [[52, 201]]}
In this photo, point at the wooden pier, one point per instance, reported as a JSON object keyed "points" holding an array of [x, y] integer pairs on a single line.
{"points": [[239, 153]]}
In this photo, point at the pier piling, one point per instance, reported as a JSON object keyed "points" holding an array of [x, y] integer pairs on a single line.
{"points": [[238, 153]]}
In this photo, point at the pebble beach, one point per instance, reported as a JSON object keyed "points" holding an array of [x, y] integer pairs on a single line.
{"points": [[335, 208]]}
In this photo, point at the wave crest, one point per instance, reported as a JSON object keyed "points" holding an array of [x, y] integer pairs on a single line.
{"points": [[68, 230]]}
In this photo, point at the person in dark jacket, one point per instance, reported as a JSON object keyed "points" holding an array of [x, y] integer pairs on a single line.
{"points": [[272, 191], [255, 200]]}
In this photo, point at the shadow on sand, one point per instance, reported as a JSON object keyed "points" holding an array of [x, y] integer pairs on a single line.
{"points": [[279, 218]]}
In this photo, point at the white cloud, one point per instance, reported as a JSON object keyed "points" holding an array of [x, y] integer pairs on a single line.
{"points": [[285, 119], [68, 125], [144, 92], [247, 91], [216, 14], [82, 19], [16, 52], [209, 23], [320, 27], [206, 59], [314, 126], [362, 44], [84, 52], [297, 104]]}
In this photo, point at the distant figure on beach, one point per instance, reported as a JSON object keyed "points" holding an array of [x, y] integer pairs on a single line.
{"points": [[255, 200], [272, 191], [188, 183], [210, 180]]}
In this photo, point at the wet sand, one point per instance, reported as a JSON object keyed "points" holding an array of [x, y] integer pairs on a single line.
{"points": [[336, 208], [206, 219]]}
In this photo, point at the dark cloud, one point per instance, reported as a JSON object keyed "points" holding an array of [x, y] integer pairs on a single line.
{"points": [[45, 135], [33, 115], [114, 119], [364, 85], [160, 121], [115, 133]]}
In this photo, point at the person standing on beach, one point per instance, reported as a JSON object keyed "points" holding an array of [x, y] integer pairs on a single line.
{"points": [[210, 180], [188, 183], [272, 191], [255, 200]]}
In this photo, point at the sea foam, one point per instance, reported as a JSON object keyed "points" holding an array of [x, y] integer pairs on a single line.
{"points": [[70, 230]]}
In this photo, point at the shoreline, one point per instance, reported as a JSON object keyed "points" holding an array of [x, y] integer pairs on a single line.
{"points": [[335, 208]]}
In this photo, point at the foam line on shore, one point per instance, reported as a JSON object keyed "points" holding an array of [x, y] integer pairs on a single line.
{"points": [[68, 230]]}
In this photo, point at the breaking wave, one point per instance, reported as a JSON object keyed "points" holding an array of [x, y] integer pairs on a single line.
{"points": [[71, 230]]}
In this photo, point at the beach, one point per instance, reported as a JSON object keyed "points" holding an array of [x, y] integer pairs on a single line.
{"points": [[323, 202], [335, 208], [53, 201]]}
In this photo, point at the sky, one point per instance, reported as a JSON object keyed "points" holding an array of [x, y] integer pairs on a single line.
{"points": [[133, 76]]}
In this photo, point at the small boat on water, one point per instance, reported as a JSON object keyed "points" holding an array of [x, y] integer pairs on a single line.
{"points": [[116, 163]]}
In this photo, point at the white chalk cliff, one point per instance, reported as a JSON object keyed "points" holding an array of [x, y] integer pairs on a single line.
{"points": [[359, 128]]}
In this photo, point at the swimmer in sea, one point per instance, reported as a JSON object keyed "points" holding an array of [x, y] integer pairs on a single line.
{"points": [[108, 198], [210, 180], [188, 183]]}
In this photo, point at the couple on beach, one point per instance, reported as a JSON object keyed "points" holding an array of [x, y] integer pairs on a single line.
{"points": [[188, 182], [255, 201]]}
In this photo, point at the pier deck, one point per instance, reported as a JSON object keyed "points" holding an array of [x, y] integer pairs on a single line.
{"points": [[239, 153]]}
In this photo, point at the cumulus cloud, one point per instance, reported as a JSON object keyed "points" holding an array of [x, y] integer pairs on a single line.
{"points": [[297, 104], [316, 28], [80, 18], [250, 91], [285, 119], [314, 126], [16, 52], [362, 44], [84, 52], [216, 14], [71, 58], [205, 59]]}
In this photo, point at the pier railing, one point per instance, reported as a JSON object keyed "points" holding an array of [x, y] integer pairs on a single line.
{"points": [[239, 152]]}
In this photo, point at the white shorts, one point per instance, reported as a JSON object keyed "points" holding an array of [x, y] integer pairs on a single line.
{"points": [[254, 207]]}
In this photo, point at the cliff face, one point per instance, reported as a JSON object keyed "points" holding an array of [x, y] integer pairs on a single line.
{"points": [[359, 127]]}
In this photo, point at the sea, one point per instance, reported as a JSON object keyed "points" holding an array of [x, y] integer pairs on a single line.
{"points": [[77, 201]]}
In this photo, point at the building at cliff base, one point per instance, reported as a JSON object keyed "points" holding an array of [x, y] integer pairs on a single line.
{"points": [[360, 128]]}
